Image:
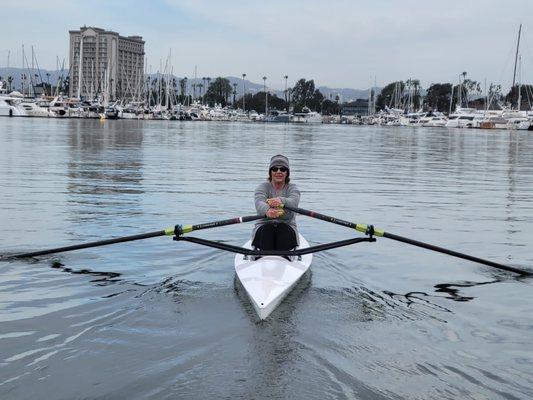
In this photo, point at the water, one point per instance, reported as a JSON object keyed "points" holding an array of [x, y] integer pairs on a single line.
{"points": [[161, 319]]}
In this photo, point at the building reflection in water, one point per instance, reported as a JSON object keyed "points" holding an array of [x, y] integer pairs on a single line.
{"points": [[104, 170]]}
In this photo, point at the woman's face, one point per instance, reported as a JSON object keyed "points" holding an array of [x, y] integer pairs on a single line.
{"points": [[278, 174]]}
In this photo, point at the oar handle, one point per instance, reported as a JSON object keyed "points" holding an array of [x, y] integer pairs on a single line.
{"points": [[366, 229], [181, 229], [370, 230]]}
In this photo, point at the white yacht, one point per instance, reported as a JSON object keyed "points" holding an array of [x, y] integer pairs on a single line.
{"points": [[519, 123], [307, 116], [278, 116], [128, 113], [462, 118], [37, 108], [517, 120], [253, 115], [490, 119], [58, 107], [433, 120], [10, 106]]}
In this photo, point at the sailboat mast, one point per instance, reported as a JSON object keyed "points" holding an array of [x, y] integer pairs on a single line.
{"points": [[519, 83], [516, 55]]}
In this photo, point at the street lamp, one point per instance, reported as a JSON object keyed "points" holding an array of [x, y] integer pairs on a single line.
{"points": [[48, 83], [286, 103], [266, 95], [243, 93]]}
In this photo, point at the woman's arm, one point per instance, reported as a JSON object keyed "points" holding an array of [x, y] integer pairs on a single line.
{"points": [[261, 196], [292, 199]]}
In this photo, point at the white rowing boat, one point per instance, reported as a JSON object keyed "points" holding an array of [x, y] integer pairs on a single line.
{"points": [[269, 279]]}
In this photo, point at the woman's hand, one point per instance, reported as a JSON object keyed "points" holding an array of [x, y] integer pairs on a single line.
{"points": [[274, 212], [275, 202]]}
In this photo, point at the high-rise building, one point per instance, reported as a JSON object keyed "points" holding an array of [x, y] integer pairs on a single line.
{"points": [[112, 65]]}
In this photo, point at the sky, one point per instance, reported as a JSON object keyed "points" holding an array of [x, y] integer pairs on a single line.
{"points": [[338, 43]]}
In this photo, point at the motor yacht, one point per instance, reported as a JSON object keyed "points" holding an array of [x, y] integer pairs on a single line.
{"points": [[307, 116], [37, 108], [11, 106], [278, 116], [462, 118]]}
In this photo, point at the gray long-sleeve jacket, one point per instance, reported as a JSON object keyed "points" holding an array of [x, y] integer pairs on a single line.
{"points": [[289, 195]]}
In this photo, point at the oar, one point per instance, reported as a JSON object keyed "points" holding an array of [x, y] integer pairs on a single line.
{"points": [[370, 230], [173, 230]]}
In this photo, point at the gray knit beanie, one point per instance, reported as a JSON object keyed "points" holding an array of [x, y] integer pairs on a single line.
{"points": [[279, 161]]}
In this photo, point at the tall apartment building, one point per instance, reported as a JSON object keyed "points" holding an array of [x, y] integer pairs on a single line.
{"points": [[112, 65]]}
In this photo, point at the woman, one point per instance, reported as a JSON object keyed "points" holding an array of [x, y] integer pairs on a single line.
{"points": [[278, 230]]}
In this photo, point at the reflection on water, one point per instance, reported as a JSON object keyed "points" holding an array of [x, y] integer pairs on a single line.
{"points": [[166, 319], [452, 290], [102, 277], [104, 169]]}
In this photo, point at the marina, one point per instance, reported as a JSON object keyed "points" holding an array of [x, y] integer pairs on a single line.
{"points": [[13, 106]]}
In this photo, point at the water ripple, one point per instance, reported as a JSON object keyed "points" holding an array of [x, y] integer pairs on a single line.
{"points": [[167, 319]]}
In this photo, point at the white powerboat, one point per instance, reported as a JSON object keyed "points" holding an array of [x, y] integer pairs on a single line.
{"points": [[269, 279], [278, 116], [307, 116], [37, 108], [10, 106], [462, 118]]}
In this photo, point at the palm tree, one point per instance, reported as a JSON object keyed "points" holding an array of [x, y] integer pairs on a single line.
{"points": [[463, 74], [286, 103], [234, 93], [203, 86], [416, 93]]}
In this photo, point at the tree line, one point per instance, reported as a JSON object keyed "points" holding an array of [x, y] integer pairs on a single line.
{"points": [[304, 94], [406, 95], [446, 97]]}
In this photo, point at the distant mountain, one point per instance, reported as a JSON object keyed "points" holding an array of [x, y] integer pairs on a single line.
{"points": [[37, 75], [344, 94]]}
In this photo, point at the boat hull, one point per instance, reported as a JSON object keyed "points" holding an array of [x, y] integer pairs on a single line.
{"points": [[268, 280]]}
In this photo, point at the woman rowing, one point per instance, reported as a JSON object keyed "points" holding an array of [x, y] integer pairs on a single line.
{"points": [[278, 230]]}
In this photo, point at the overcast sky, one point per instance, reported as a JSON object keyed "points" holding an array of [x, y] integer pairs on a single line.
{"points": [[337, 43]]}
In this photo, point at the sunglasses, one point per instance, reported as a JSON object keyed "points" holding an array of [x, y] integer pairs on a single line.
{"points": [[276, 169]]}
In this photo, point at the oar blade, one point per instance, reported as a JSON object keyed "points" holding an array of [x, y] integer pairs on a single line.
{"points": [[378, 232]]}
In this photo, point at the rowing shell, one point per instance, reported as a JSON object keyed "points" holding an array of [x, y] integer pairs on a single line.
{"points": [[270, 279]]}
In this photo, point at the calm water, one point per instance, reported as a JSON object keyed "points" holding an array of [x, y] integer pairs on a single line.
{"points": [[160, 319]]}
